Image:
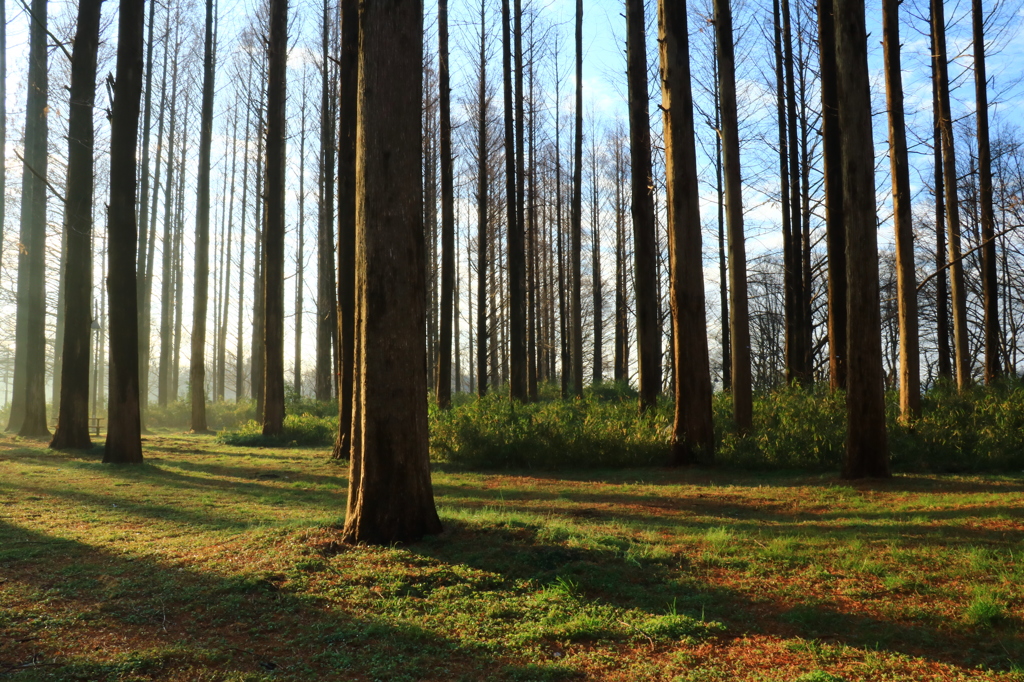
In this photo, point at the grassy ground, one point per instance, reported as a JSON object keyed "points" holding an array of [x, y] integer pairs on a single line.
{"points": [[214, 562]]}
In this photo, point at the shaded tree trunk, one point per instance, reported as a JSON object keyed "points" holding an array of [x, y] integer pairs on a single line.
{"points": [[958, 293], [73, 420], [273, 241], [326, 290], [513, 226], [645, 246], [201, 274], [867, 450], [835, 229], [28, 404], [349, 81], [124, 437], [577, 217], [390, 495], [693, 435], [481, 208], [167, 281], [989, 282], [145, 227], [444, 352]]}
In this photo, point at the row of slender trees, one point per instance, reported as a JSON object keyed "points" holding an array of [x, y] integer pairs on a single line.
{"points": [[361, 328]]}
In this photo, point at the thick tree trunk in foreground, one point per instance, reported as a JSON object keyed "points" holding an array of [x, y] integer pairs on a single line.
{"points": [[958, 293], [197, 359], [73, 417], [273, 320], [28, 403], [739, 322], [693, 435], [989, 282], [444, 351], [349, 78], [906, 275], [124, 437], [867, 450], [390, 496], [645, 246]]}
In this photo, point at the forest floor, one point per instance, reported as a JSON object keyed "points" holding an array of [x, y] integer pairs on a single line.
{"points": [[212, 562]]}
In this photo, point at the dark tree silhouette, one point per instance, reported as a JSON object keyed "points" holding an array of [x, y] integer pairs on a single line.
{"points": [[73, 417], [124, 437]]}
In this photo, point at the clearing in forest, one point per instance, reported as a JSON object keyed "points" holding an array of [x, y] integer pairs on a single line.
{"points": [[213, 562]]}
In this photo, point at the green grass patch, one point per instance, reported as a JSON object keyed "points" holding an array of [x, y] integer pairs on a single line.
{"points": [[223, 562]]}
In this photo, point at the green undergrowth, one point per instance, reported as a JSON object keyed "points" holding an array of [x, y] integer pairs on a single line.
{"points": [[981, 429]]}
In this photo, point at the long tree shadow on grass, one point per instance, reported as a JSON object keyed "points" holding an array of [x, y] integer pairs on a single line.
{"points": [[621, 575], [72, 611]]}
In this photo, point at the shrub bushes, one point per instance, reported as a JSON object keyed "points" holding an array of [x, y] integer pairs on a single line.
{"points": [[981, 429]]}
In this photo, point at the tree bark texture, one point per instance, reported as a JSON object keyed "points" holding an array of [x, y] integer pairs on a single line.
{"points": [[390, 494], [273, 319], [989, 282], [645, 246], [867, 450], [693, 435]]}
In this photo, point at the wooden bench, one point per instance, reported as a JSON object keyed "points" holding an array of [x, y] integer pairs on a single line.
{"points": [[94, 425]]}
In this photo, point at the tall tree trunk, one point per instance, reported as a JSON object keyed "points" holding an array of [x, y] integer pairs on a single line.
{"points": [[989, 281], [349, 82], [513, 226], [178, 262], [201, 273], [273, 330], [326, 296], [621, 323], [222, 351], [300, 255], [142, 271], [481, 208], [801, 352], [533, 312], [723, 267], [28, 404], [790, 292], [945, 355], [444, 353], [739, 322], [693, 435], [835, 221], [577, 216], [390, 495], [595, 263], [240, 335], [956, 269], [867, 450], [167, 280], [124, 437], [906, 275], [645, 246], [73, 420]]}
